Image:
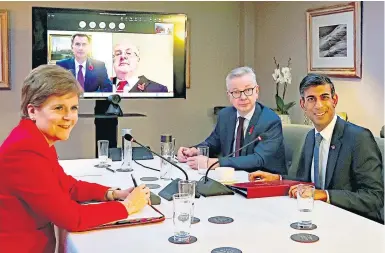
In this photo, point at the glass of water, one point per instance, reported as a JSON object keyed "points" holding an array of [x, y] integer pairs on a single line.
{"points": [[305, 204], [174, 151], [103, 154], [188, 187], [203, 159], [182, 216]]}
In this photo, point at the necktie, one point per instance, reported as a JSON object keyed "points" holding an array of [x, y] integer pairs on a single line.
{"points": [[318, 139], [121, 85], [239, 139], [81, 76]]}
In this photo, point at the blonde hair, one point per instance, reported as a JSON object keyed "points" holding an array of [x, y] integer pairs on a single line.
{"points": [[45, 81]]}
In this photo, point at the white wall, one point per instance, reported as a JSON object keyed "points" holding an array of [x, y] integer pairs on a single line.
{"points": [[280, 31]]}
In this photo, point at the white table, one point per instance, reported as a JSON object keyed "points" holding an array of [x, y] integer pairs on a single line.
{"points": [[260, 225]]}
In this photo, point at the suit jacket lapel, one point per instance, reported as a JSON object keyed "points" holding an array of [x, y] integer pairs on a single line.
{"points": [[72, 66], [249, 136], [230, 128], [334, 149]]}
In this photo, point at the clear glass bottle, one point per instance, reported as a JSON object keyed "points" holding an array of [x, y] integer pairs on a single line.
{"points": [[166, 148]]}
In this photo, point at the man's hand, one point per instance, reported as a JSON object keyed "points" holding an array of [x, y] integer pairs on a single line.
{"points": [[203, 162], [184, 153], [318, 194], [263, 176]]}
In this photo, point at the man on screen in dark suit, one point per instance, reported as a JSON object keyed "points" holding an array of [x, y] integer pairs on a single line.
{"points": [[91, 74], [241, 124], [340, 158], [126, 58]]}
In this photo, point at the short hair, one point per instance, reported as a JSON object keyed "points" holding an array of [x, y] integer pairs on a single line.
{"points": [[315, 80], [45, 81], [127, 42], [239, 72], [80, 35]]}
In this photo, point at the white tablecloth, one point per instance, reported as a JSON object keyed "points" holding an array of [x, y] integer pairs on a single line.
{"points": [[260, 225]]}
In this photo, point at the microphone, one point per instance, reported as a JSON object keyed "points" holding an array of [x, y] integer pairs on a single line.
{"points": [[172, 187], [258, 139], [210, 187]]}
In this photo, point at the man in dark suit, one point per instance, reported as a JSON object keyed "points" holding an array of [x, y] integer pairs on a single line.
{"points": [[241, 124], [91, 74], [126, 58], [340, 158]]}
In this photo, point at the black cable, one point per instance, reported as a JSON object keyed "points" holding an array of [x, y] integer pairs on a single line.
{"points": [[145, 166]]}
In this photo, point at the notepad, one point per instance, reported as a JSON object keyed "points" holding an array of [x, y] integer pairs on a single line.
{"points": [[147, 213]]}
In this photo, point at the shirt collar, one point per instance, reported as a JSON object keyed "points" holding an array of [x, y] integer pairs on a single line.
{"points": [[131, 81], [327, 132], [83, 64], [247, 116]]}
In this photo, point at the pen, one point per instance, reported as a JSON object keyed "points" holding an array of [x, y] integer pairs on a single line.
{"points": [[110, 170], [133, 180]]}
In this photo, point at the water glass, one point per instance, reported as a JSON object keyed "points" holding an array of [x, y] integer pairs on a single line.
{"points": [[188, 187], [103, 154], [182, 216], [173, 150], [305, 204], [203, 159]]}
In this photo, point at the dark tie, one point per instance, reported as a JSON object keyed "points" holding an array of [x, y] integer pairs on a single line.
{"points": [[81, 76], [121, 85], [239, 139], [318, 139]]}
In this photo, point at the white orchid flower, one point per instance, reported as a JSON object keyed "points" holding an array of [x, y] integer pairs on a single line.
{"points": [[276, 75]]}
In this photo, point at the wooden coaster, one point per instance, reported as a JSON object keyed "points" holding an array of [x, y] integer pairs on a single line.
{"points": [[221, 220], [226, 250], [304, 238], [296, 225], [191, 240]]}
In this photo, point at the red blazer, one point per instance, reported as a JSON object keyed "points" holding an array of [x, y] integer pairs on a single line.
{"points": [[35, 193]]}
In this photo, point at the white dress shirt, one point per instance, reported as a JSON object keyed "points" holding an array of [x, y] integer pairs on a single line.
{"points": [[84, 64], [326, 134], [130, 83], [245, 125]]}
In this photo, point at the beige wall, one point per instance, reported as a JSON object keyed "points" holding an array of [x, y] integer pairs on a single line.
{"points": [[214, 52], [281, 32]]}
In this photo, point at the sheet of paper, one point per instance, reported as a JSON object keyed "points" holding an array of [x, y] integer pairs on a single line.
{"points": [[146, 212]]}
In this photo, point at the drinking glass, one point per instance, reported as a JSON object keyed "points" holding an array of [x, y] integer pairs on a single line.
{"points": [[102, 154], [203, 159], [305, 204], [182, 204]]}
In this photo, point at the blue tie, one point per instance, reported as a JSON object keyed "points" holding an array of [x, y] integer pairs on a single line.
{"points": [[318, 139]]}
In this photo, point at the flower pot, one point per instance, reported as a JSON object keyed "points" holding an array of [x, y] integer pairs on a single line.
{"points": [[285, 119]]}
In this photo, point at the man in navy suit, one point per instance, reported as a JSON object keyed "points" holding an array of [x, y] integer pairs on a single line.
{"points": [[340, 158], [91, 74], [126, 59], [241, 124]]}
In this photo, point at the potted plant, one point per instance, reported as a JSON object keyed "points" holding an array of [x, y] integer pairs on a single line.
{"points": [[282, 78]]}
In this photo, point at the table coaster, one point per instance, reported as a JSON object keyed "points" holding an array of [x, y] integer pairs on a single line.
{"points": [[296, 225], [149, 178], [226, 250], [221, 220], [195, 220], [191, 240], [153, 186], [304, 238], [124, 170], [102, 166]]}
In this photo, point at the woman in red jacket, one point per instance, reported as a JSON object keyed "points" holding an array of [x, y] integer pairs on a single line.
{"points": [[35, 193]]}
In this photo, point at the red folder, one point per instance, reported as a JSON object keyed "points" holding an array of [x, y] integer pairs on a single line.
{"points": [[262, 189]]}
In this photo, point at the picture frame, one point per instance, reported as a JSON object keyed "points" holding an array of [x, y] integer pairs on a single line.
{"points": [[188, 56], [334, 40], [59, 47], [4, 51]]}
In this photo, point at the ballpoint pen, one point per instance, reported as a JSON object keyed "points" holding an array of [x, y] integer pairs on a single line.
{"points": [[133, 180]]}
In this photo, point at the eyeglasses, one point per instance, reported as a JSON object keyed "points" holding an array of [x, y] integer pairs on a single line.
{"points": [[238, 93], [128, 52]]}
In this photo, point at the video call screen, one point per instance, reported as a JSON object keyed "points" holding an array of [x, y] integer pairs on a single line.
{"points": [[135, 55]]}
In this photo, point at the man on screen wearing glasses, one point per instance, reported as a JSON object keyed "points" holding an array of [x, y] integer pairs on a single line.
{"points": [[240, 124], [126, 59]]}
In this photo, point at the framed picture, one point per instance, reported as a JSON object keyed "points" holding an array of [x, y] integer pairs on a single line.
{"points": [[4, 51], [334, 40], [59, 47]]}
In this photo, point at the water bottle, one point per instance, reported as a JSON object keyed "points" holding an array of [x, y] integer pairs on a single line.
{"points": [[166, 148], [126, 152]]}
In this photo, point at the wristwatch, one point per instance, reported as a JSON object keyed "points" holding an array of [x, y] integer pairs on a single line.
{"points": [[110, 194]]}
